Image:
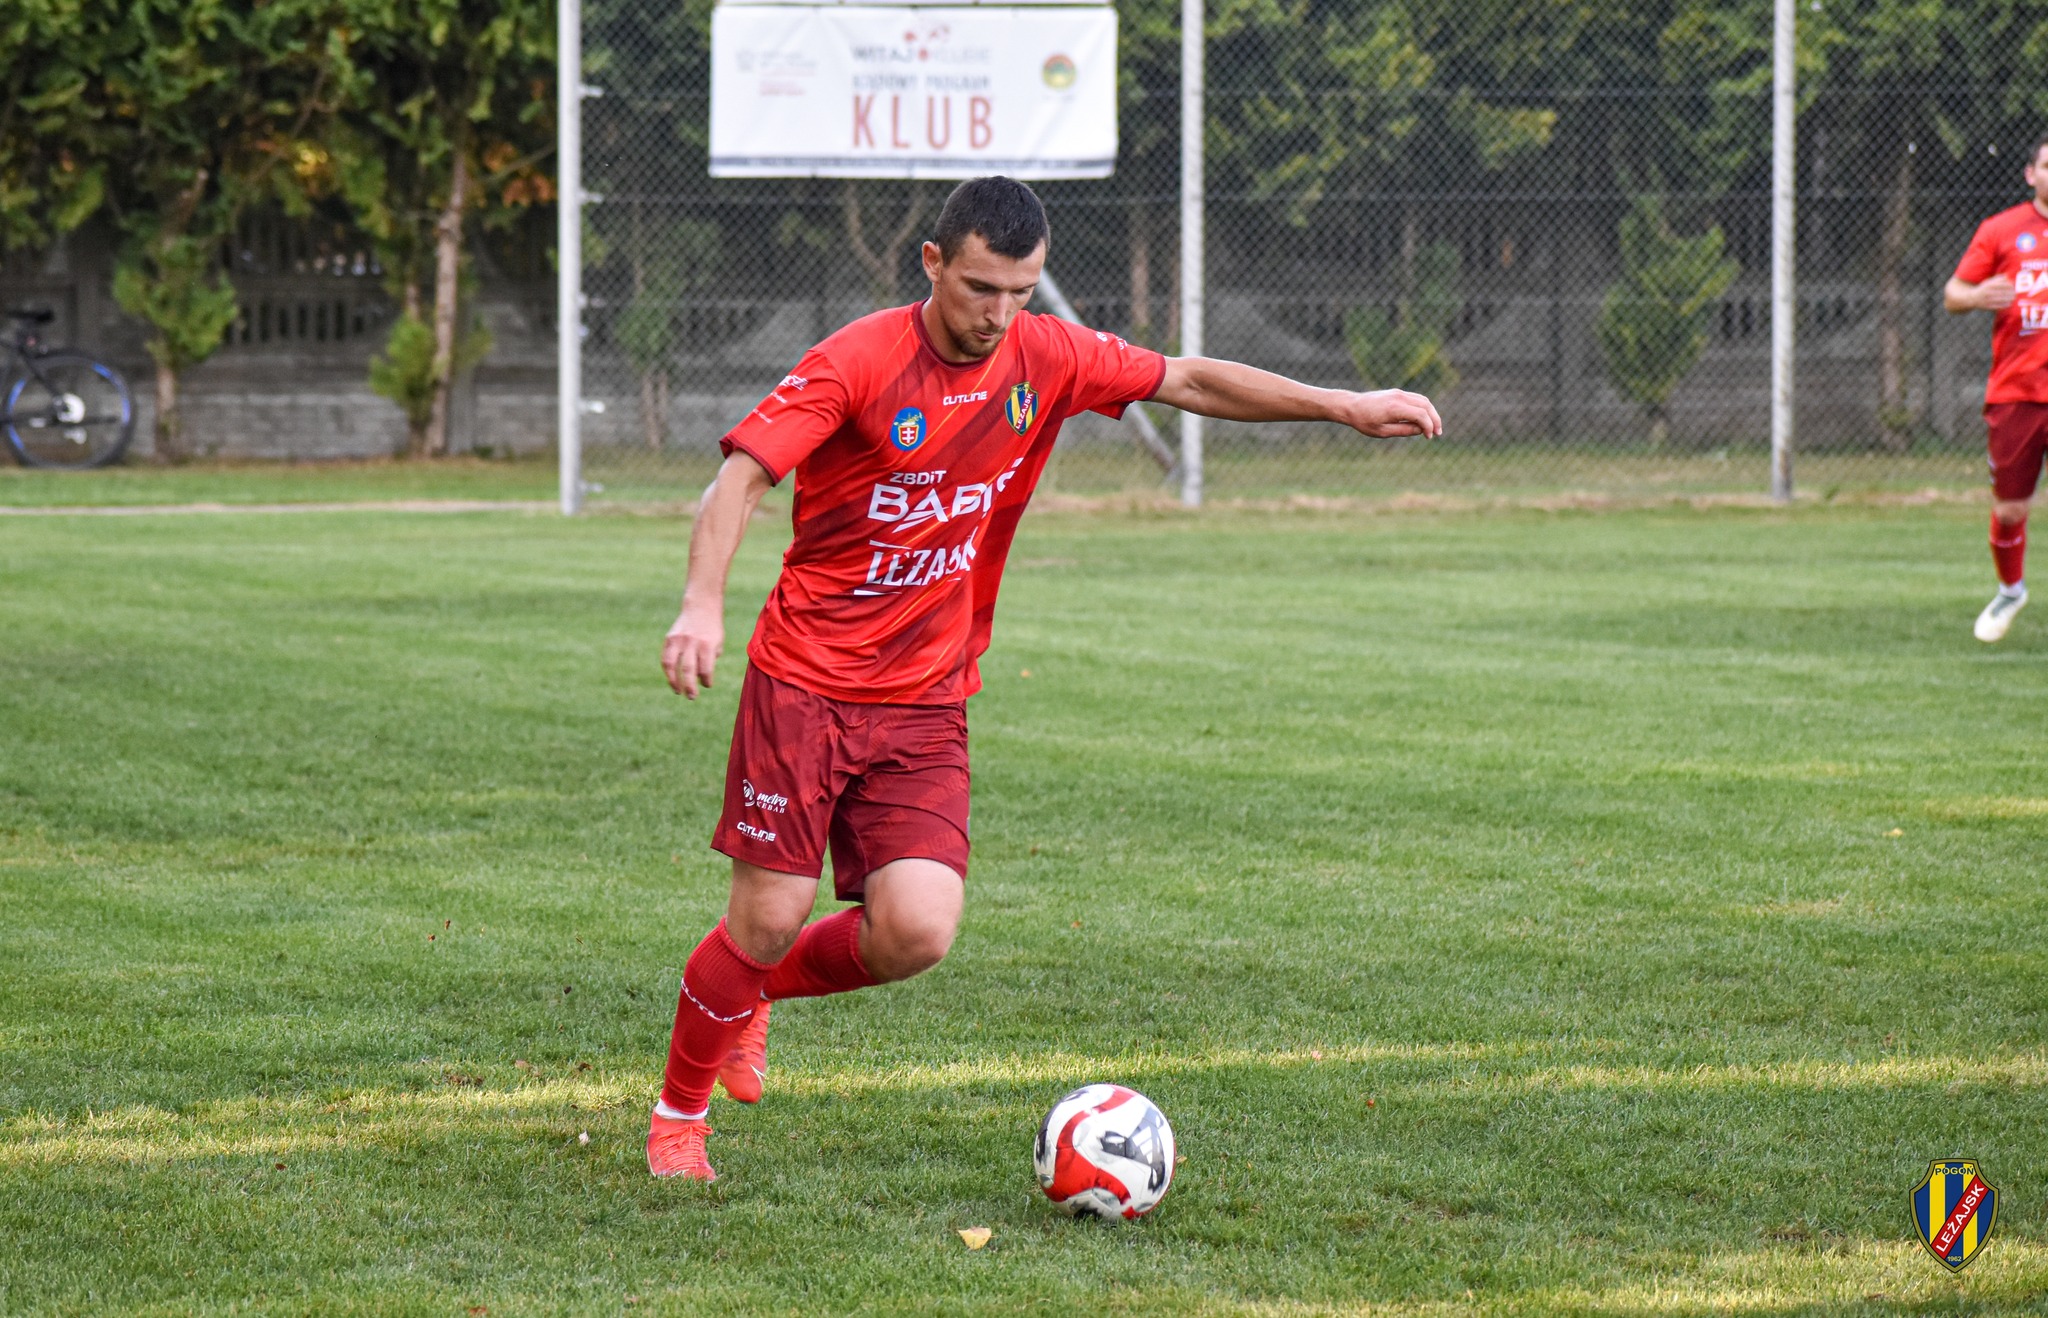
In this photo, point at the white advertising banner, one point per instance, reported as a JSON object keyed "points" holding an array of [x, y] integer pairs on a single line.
{"points": [[849, 91]]}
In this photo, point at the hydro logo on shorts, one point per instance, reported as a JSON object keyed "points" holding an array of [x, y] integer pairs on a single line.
{"points": [[906, 432]]}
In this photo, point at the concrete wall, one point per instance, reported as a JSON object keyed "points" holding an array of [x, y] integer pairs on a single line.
{"points": [[293, 380], [292, 383]]}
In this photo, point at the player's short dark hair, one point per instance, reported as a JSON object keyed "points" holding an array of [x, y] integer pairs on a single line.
{"points": [[2039, 147], [1008, 216]]}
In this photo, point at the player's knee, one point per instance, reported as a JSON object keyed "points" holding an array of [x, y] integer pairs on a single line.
{"points": [[927, 945], [767, 910], [908, 945], [763, 936], [2009, 512]]}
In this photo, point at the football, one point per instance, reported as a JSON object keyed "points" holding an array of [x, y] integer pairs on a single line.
{"points": [[1105, 1151]]}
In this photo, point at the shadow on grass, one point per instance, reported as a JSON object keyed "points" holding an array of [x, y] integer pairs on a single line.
{"points": [[1537, 1178]]}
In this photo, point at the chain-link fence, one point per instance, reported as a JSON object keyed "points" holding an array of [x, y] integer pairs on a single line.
{"points": [[1557, 223]]}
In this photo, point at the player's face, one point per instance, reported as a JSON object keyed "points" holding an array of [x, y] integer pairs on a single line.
{"points": [[977, 294], [2037, 176]]}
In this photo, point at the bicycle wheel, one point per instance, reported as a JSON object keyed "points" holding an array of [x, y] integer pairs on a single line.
{"points": [[69, 411]]}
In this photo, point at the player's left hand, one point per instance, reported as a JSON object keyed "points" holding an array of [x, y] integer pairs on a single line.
{"points": [[1392, 413]]}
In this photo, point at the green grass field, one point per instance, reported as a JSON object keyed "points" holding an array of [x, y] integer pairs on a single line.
{"points": [[1524, 914], [1334, 466], [373, 481]]}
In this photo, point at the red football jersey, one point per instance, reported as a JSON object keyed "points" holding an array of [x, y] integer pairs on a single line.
{"points": [[2015, 243], [911, 474]]}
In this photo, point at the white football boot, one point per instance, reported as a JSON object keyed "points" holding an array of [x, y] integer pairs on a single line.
{"points": [[1996, 620]]}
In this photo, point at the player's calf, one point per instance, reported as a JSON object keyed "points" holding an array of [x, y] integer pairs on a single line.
{"points": [[2009, 556]]}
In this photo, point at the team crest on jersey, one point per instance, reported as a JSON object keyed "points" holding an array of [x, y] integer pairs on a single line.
{"points": [[1954, 1210], [1021, 408], [2025, 242], [906, 432]]}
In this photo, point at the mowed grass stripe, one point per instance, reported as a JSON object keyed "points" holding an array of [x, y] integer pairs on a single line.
{"points": [[1536, 913]]}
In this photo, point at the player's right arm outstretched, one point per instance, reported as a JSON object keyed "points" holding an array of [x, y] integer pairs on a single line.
{"points": [[691, 649]]}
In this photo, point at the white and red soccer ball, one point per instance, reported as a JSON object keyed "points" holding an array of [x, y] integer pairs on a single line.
{"points": [[1105, 1151]]}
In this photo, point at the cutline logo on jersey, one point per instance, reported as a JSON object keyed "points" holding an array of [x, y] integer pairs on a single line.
{"points": [[1021, 408], [906, 432], [953, 400], [773, 802]]}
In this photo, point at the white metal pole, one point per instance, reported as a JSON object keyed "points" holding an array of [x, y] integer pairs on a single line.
{"points": [[1191, 120], [1784, 249], [569, 250]]}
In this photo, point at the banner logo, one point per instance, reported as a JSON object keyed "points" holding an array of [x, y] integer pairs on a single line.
{"points": [[906, 432], [1021, 408], [1954, 1209], [897, 91]]}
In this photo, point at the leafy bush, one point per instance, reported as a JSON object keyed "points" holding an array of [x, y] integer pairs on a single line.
{"points": [[1653, 320], [405, 372], [1406, 350]]}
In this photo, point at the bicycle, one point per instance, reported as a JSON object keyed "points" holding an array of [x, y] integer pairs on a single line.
{"points": [[62, 408]]}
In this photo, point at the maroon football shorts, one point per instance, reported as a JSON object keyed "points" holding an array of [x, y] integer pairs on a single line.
{"points": [[874, 782], [2019, 439]]}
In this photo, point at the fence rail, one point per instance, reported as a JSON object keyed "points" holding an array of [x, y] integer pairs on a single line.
{"points": [[1567, 242]]}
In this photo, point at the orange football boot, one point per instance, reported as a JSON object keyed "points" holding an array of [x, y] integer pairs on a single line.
{"points": [[675, 1147], [747, 1064]]}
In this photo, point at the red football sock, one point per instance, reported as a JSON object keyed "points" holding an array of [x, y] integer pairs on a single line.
{"points": [[721, 985], [826, 959], [2009, 550]]}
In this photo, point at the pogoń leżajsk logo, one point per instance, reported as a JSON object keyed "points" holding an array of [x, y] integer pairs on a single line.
{"points": [[907, 430], [1954, 1209], [1020, 409]]}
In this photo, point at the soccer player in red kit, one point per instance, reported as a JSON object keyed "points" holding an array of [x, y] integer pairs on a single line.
{"points": [[916, 436], [2005, 270]]}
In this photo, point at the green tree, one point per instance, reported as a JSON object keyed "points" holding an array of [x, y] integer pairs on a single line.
{"points": [[451, 116], [1334, 94], [1405, 350], [1653, 320], [1896, 67], [667, 267], [1897, 97], [53, 161], [203, 108]]}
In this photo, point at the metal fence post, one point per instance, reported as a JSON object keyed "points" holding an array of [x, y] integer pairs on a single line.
{"points": [[1191, 200], [1784, 249], [569, 250]]}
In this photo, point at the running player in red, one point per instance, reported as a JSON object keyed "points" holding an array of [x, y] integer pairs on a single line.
{"points": [[916, 436], [2005, 271]]}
